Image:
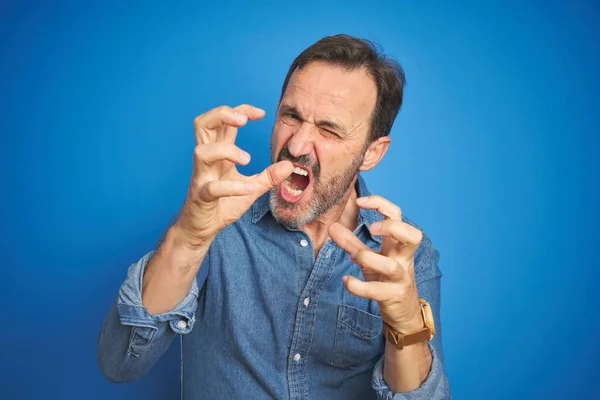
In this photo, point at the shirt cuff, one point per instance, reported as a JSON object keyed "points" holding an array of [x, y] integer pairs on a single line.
{"points": [[435, 387], [133, 313]]}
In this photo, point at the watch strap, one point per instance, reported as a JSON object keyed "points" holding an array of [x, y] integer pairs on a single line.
{"points": [[401, 340]]}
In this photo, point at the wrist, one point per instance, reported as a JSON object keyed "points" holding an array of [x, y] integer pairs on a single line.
{"points": [[412, 325], [193, 230], [183, 237], [413, 321], [183, 253]]}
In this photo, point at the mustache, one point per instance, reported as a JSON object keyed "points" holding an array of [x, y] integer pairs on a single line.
{"points": [[305, 161]]}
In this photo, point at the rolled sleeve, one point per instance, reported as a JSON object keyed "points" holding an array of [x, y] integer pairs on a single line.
{"points": [[131, 311], [435, 387]]}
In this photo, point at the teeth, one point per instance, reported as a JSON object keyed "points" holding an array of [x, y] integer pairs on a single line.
{"points": [[293, 192], [300, 171]]}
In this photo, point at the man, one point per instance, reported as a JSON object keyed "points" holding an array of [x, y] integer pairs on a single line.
{"points": [[296, 282]]}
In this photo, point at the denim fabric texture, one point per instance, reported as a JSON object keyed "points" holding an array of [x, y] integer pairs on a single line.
{"points": [[266, 319]]}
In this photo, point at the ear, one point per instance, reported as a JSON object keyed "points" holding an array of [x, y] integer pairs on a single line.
{"points": [[375, 153]]}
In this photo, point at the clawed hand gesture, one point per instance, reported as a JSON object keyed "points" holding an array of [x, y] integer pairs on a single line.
{"points": [[389, 274], [218, 194]]}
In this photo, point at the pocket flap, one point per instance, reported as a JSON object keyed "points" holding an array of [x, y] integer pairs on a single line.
{"points": [[362, 323]]}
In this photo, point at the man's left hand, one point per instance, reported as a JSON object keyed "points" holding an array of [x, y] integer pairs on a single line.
{"points": [[389, 274]]}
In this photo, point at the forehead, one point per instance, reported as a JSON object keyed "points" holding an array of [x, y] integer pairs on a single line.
{"points": [[325, 91]]}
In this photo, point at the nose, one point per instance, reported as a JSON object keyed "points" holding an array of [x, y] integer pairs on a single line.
{"points": [[300, 143]]}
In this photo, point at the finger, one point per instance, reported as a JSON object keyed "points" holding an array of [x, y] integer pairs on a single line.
{"points": [[216, 189], [380, 264], [206, 155], [378, 291], [383, 206], [272, 176], [345, 239], [216, 118], [253, 113], [400, 231]]}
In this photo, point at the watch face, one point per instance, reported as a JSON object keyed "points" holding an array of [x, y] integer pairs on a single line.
{"points": [[428, 317]]}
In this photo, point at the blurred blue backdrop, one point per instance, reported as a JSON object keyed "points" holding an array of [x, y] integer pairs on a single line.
{"points": [[493, 154]]}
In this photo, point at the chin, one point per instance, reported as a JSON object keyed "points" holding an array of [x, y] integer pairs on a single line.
{"points": [[290, 215]]}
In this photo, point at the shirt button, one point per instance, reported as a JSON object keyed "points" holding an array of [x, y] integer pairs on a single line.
{"points": [[297, 357], [303, 243], [306, 301], [182, 324]]}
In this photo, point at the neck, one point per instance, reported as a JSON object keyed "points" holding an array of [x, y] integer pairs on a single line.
{"points": [[345, 212]]}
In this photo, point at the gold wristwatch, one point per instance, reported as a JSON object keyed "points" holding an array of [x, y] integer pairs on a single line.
{"points": [[405, 339]]}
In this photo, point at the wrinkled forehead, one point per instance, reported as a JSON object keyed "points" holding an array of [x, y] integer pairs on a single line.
{"points": [[320, 90]]}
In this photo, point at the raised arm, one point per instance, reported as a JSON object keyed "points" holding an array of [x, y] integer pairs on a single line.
{"points": [[159, 297]]}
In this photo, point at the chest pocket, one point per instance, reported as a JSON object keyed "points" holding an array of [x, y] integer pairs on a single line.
{"points": [[358, 337]]}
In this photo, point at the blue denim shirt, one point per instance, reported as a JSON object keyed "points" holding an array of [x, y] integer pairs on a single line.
{"points": [[265, 318]]}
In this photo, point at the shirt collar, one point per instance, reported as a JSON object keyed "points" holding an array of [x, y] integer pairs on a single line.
{"points": [[365, 217]]}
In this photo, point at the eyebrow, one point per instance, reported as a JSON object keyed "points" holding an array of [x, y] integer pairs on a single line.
{"points": [[322, 123]]}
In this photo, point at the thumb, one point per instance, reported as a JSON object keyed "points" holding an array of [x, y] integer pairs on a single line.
{"points": [[273, 176]]}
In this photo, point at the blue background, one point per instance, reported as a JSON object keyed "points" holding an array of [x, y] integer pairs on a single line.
{"points": [[493, 155]]}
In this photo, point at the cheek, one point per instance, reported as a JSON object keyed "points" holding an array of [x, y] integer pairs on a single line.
{"points": [[333, 156]]}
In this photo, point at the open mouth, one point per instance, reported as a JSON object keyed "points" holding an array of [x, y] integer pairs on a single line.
{"points": [[295, 185]]}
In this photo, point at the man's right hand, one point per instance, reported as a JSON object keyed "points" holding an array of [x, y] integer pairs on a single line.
{"points": [[218, 194]]}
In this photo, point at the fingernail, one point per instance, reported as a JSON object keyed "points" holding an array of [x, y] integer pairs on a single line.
{"points": [[361, 200], [250, 186], [245, 156], [240, 117], [345, 278], [376, 226]]}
